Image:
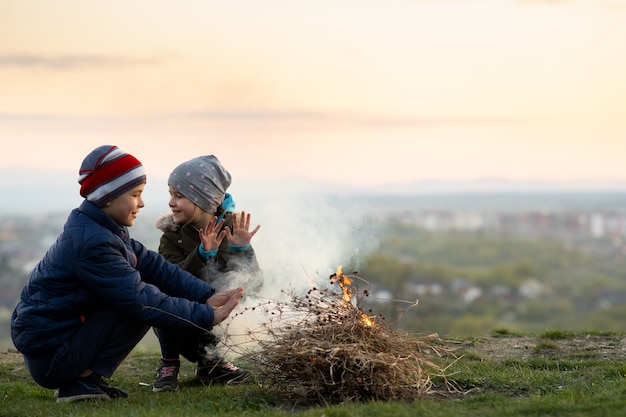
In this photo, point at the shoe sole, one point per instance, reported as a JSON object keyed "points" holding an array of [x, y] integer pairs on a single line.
{"points": [[82, 397], [165, 388], [224, 380], [237, 381]]}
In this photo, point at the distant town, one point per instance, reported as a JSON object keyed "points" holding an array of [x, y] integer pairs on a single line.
{"points": [[589, 222]]}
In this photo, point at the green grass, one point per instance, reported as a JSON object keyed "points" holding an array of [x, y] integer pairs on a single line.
{"points": [[545, 345], [556, 334], [503, 332], [546, 385]]}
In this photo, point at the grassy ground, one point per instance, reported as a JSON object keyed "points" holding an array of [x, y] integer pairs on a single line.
{"points": [[551, 374]]}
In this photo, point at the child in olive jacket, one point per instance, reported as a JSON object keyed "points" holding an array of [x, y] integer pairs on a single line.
{"points": [[204, 236]]}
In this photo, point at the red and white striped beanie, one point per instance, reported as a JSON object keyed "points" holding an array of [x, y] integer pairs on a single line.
{"points": [[108, 172]]}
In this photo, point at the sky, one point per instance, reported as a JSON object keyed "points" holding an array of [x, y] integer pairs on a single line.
{"points": [[364, 92]]}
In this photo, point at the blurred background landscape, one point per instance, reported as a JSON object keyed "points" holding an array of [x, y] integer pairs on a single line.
{"points": [[474, 261]]}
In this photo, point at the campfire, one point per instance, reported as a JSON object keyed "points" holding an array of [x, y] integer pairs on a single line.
{"points": [[322, 347]]}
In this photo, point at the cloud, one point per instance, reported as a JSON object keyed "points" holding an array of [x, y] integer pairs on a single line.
{"points": [[285, 119], [73, 62], [350, 119]]}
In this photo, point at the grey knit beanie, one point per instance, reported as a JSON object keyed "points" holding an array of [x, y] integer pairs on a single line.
{"points": [[203, 180]]}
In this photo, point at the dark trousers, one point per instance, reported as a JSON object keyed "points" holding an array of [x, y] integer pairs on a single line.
{"points": [[100, 344], [192, 346]]}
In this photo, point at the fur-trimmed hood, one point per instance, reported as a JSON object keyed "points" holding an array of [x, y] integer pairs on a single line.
{"points": [[166, 223]]}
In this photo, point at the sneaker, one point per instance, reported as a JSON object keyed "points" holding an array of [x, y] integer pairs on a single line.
{"points": [[79, 390], [167, 376], [218, 370], [112, 392]]}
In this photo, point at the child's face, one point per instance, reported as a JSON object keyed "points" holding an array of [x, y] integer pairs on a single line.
{"points": [[183, 210], [124, 209]]}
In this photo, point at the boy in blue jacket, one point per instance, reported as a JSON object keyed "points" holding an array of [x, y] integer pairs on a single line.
{"points": [[96, 292]]}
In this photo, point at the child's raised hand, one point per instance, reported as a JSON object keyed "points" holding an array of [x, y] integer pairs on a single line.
{"points": [[210, 236], [241, 236]]}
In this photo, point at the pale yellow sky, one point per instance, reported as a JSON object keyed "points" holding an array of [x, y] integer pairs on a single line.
{"points": [[363, 92]]}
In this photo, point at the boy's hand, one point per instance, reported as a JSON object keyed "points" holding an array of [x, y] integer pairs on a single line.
{"points": [[223, 303]]}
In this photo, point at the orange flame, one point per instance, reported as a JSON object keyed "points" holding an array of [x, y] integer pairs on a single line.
{"points": [[344, 283]]}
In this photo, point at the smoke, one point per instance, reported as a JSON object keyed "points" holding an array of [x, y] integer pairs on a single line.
{"points": [[304, 236]]}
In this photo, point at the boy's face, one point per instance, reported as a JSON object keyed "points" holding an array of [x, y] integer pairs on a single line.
{"points": [[124, 209]]}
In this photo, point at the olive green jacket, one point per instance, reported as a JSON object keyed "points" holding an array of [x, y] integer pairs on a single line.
{"points": [[179, 245]]}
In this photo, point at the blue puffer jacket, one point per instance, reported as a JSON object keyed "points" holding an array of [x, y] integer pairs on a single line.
{"points": [[94, 264]]}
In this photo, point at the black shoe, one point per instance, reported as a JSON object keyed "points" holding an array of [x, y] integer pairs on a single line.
{"points": [[80, 389], [218, 370], [104, 386], [167, 376]]}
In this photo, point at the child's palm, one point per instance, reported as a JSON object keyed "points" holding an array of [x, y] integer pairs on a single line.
{"points": [[210, 236], [241, 234]]}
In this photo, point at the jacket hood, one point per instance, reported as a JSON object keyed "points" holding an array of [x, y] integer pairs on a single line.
{"points": [[166, 223]]}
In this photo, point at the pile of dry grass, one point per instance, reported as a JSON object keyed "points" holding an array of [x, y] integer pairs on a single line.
{"points": [[322, 347]]}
